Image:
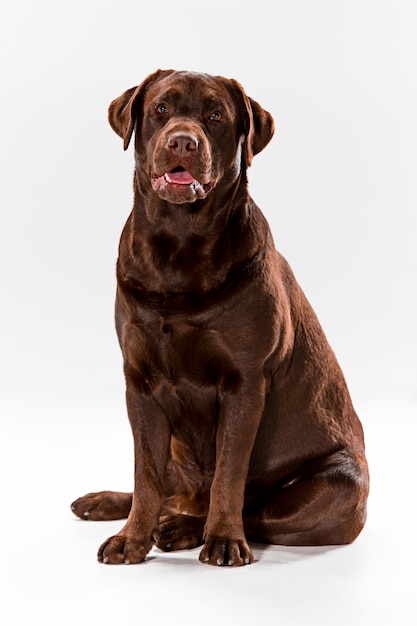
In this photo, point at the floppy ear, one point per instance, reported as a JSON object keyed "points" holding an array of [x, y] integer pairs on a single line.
{"points": [[124, 111], [259, 125]]}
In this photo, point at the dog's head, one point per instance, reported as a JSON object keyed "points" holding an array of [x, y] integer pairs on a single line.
{"points": [[193, 132]]}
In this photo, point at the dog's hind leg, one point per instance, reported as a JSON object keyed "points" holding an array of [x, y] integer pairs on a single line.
{"points": [[323, 507], [103, 506]]}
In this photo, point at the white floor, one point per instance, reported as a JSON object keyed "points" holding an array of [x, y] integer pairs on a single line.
{"points": [[56, 449]]}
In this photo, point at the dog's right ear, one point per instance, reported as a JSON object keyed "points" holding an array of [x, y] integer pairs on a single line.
{"points": [[124, 111]]}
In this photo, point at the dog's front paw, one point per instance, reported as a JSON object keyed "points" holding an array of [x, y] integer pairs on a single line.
{"points": [[124, 549], [221, 551]]}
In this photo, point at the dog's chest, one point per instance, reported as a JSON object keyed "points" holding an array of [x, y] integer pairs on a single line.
{"points": [[166, 350]]}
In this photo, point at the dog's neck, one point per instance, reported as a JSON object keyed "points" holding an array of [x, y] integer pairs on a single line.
{"points": [[190, 248]]}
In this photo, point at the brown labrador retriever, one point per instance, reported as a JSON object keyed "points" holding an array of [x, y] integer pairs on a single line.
{"points": [[242, 422]]}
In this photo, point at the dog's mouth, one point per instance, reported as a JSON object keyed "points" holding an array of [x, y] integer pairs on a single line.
{"points": [[180, 179]]}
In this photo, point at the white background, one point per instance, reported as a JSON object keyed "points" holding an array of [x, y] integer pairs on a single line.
{"points": [[338, 186]]}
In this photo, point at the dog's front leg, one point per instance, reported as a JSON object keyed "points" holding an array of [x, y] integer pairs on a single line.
{"points": [[151, 433], [239, 418]]}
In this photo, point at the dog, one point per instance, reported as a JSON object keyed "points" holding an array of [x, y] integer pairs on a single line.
{"points": [[243, 426]]}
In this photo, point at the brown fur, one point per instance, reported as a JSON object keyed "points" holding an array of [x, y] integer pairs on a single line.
{"points": [[242, 422]]}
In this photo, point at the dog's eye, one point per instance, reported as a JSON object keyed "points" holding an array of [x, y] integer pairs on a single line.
{"points": [[216, 117], [162, 108]]}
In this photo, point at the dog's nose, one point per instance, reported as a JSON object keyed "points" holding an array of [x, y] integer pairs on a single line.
{"points": [[182, 143]]}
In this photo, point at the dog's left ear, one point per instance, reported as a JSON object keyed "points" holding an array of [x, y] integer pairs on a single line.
{"points": [[259, 125], [124, 111]]}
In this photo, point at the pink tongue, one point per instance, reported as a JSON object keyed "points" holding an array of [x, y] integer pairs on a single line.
{"points": [[179, 178]]}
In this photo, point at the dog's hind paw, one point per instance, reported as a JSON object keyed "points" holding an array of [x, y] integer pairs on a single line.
{"points": [[180, 532], [102, 506]]}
